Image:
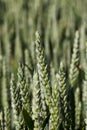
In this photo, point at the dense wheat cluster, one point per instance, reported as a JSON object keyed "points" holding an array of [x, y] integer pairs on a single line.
{"points": [[43, 65]]}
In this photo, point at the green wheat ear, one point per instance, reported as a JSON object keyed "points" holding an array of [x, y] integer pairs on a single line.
{"points": [[22, 86], [74, 71], [64, 98], [77, 108], [17, 102], [84, 99], [14, 106], [36, 103], [42, 71], [23, 93], [54, 110], [7, 117]]}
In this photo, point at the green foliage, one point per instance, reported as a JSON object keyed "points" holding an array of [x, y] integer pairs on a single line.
{"points": [[28, 120]]}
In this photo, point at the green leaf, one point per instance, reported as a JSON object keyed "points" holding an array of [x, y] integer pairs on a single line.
{"points": [[28, 120], [45, 122]]}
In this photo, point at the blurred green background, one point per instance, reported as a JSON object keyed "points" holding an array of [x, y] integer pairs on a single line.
{"points": [[55, 20]]}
